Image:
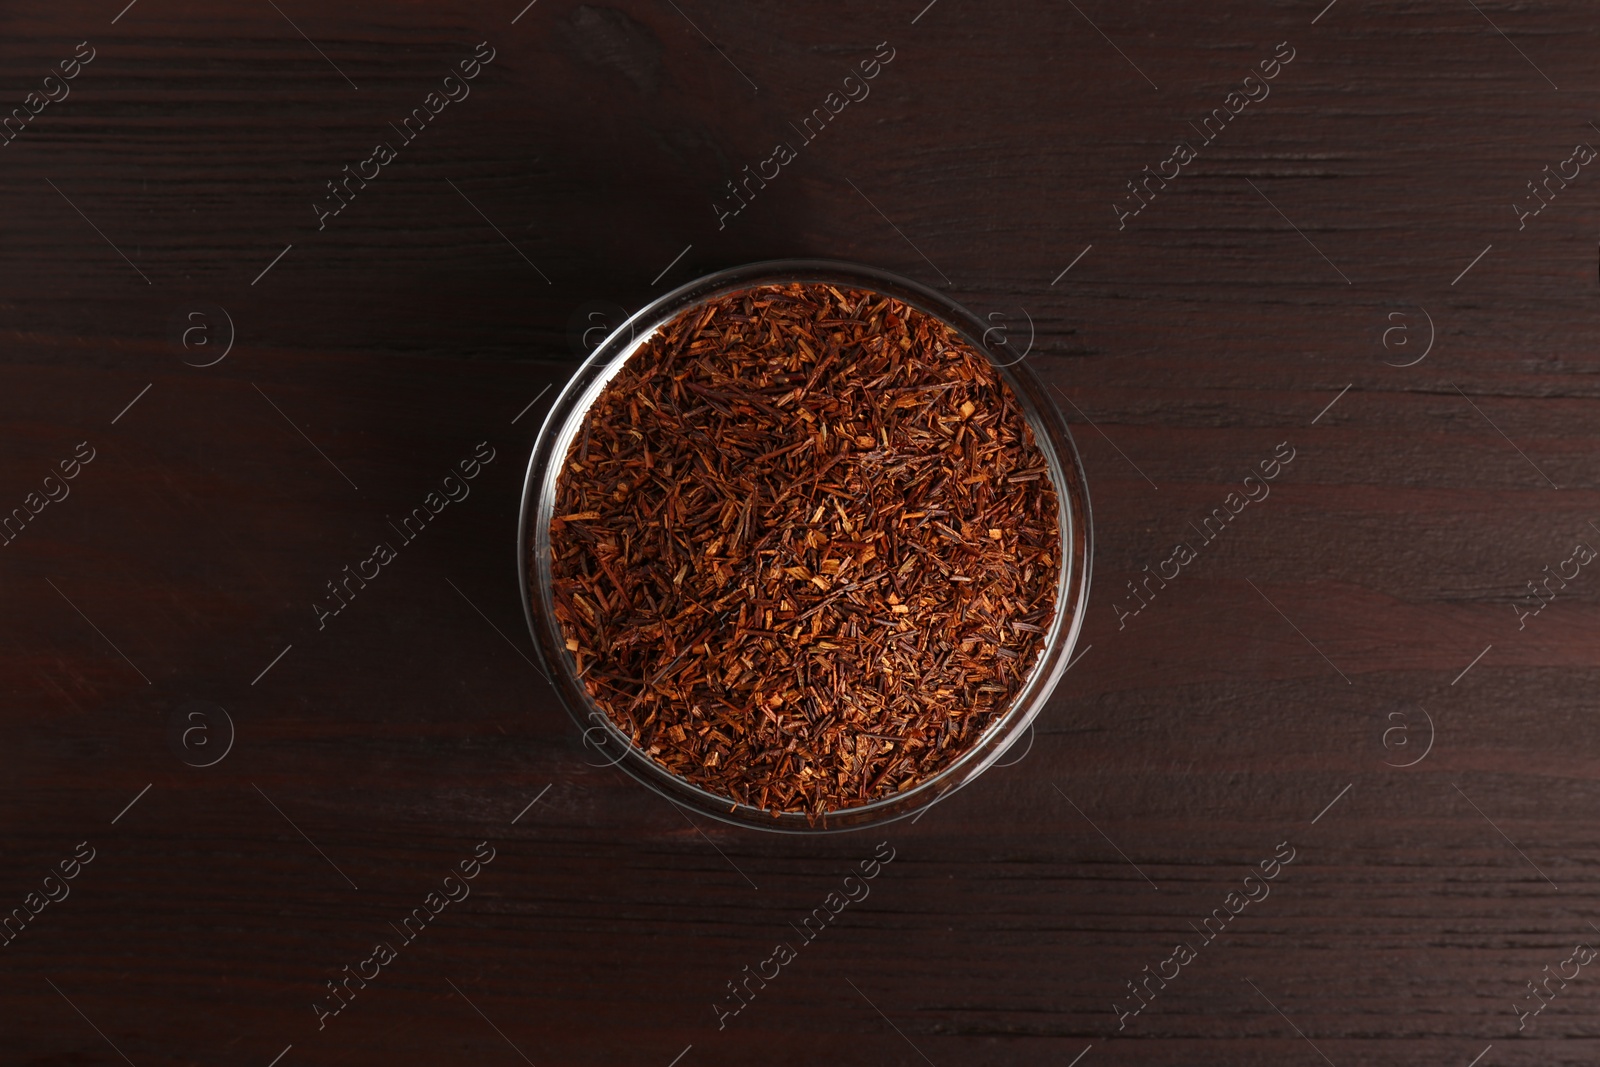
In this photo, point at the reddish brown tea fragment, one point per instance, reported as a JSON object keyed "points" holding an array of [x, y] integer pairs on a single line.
{"points": [[806, 548]]}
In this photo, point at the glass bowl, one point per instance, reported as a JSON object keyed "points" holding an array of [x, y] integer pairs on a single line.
{"points": [[564, 421]]}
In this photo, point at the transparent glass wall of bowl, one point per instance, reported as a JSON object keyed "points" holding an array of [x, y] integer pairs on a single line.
{"points": [[604, 743]]}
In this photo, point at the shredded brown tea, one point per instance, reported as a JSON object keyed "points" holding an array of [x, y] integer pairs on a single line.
{"points": [[805, 548]]}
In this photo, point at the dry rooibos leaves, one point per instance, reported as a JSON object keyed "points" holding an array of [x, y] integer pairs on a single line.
{"points": [[806, 548]]}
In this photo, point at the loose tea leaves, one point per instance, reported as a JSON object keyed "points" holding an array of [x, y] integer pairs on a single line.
{"points": [[805, 548]]}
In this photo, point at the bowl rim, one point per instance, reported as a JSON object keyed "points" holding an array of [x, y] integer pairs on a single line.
{"points": [[566, 414]]}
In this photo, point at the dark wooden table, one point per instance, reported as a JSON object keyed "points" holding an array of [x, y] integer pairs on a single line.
{"points": [[1351, 264]]}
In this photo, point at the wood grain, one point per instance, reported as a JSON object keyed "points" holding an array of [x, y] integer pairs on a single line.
{"points": [[1191, 741]]}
